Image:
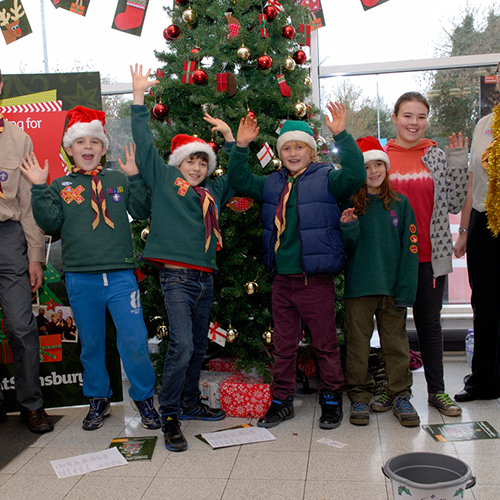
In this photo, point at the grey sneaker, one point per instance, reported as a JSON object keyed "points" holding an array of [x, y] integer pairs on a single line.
{"points": [[360, 415], [149, 416], [444, 404], [99, 408], [382, 403], [406, 413]]}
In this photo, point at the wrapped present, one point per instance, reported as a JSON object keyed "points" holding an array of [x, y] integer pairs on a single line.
{"points": [[222, 365], [246, 396], [5, 352], [209, 386], [50, 348]]}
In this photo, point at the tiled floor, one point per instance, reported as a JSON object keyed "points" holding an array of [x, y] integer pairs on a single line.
{"points": [[293, 467]]}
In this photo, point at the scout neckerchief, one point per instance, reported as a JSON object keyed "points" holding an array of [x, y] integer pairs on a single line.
{"points": [[280, 217], [207, 202], [491, 163], [1, 130], [97, 196]]}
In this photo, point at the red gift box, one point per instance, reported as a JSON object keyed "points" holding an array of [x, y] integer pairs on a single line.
{"points": [[50, 348], [222, 365], [245, 396]]}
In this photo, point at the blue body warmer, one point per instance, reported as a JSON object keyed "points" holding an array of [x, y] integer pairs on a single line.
{"points": [[319, 220]]}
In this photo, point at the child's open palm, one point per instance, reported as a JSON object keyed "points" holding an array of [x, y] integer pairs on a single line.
{"points": [[348, 215], [339, 113], [247, 131], [130, 168], [32, 170], [140, 81]]}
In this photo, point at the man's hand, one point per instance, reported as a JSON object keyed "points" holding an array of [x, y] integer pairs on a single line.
{"points": [[36, 275]]}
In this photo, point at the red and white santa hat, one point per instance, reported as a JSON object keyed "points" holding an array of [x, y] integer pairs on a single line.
{"points": [[83, 122], [185, 145], [372, 150]]}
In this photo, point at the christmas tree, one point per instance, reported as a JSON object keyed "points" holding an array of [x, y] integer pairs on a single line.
{"points": [[228, 58]]}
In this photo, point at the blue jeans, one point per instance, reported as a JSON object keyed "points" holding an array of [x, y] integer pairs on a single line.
{"points": [[89, 296], [188, 300]]}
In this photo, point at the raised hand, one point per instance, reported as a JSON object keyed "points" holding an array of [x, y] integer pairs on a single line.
{"points": [[140, 82], [348, 215], [339, 113], [32, 170], [453, 142], [220, 126], [247, 131], [130, 168]]}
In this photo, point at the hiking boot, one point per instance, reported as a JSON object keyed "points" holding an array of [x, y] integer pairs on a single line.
{"points": [[149, 416], [406, 413], [174, 438], [99, 408], [38, 421], [331, 409], [200, 411], [360, 414], [382, 403], [278, 411], [444, 404]]}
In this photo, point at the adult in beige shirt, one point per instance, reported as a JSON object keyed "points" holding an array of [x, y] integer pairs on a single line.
{"points": [[22, 251]]}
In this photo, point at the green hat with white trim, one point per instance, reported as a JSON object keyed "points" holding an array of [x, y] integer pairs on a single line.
{"points": [[295, 130]]}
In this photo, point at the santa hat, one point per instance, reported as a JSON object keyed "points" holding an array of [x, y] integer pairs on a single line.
{"points": [[372, 150], [295, 130], [185, 145], [83, 122]]}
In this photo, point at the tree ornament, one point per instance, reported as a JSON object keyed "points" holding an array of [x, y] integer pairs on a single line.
{"points": [[299, 110], [288, 32], [233, 23], [243, 53], [264, 62], [218, 172], [195, 52], [251, 113], [145, 233], [308, 81], [181, 2], [200, 77], [162, 331], [289, 64], [240, 204], [251, 287], [268, 336], [232, 333], [189, 16], [299, 57], [160, 111], [172, 32], [214, 146], [270, 12], [276, 163]]}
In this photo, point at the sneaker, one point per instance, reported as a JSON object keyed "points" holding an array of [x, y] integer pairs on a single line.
{"points": [[38, 421], [278, 411], [200, 411], [406, 413], [99, 408], [149, 416], [360, 414], [331, 409], [445, 404], [382, 403], [174, 438]]}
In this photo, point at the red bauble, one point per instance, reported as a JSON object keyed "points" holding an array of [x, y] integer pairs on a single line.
{"points": [[214, 146], [160, 111], [288, 32], [299, 57], [252, 114], [172, 32], [264, 62], [200, 77], [181, 2], [270, 12]]}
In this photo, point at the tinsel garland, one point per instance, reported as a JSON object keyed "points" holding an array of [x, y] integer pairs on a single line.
{"points": [[492, 202]]}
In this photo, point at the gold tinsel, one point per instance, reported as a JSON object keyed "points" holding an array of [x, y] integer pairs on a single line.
{"points": [[492, 202]]}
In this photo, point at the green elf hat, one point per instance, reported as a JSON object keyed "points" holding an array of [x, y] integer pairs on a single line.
{"points": [[295, 130]]}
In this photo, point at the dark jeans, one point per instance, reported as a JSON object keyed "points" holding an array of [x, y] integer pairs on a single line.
{"points": [[188, 300], [427, 316], [296, 301], [483, 263]]}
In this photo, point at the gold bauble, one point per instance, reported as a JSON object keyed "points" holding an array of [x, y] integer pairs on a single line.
{"points": [[299, 110], [276, 163], [251, 287], [162, 331], [232, 333], [218, 172], [320, 140], [268, 336], [243, 53], [145, 233], [189, 16], [289, 64], [307, 81]]}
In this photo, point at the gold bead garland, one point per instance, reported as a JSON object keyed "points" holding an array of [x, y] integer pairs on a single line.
{"points": [[492, 202]]}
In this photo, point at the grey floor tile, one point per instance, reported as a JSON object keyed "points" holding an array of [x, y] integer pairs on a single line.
{"points": [[346, 490], [110, 488], [269, 489], [199, 489]]}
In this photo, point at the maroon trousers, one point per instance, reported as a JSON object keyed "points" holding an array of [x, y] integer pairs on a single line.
{"points": [[297, 300]]}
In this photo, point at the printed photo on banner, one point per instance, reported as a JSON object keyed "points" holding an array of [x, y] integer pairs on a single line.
{"points": [[57, 320]]}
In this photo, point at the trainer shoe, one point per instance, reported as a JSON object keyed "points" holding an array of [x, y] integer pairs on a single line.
{"points": [[331, 409], [200, 411], [278, 411], [406, 413], [149, 416], [382, 403], [360, 414], [174, 438], [444, 404], [99, 408]]}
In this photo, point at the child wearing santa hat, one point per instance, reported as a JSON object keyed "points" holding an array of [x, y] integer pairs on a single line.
{"points": [[89, 206], [380, 237], [183, 238], [303, 244]]}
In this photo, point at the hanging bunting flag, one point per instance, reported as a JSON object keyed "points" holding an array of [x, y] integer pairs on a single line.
{"points": [[305, 29], [265, 155], [285, 90], [316, 16], [13, 21], [76, 6], [369, 4], [56, 3], [187, 72], [263, 25], [129, 16]]}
